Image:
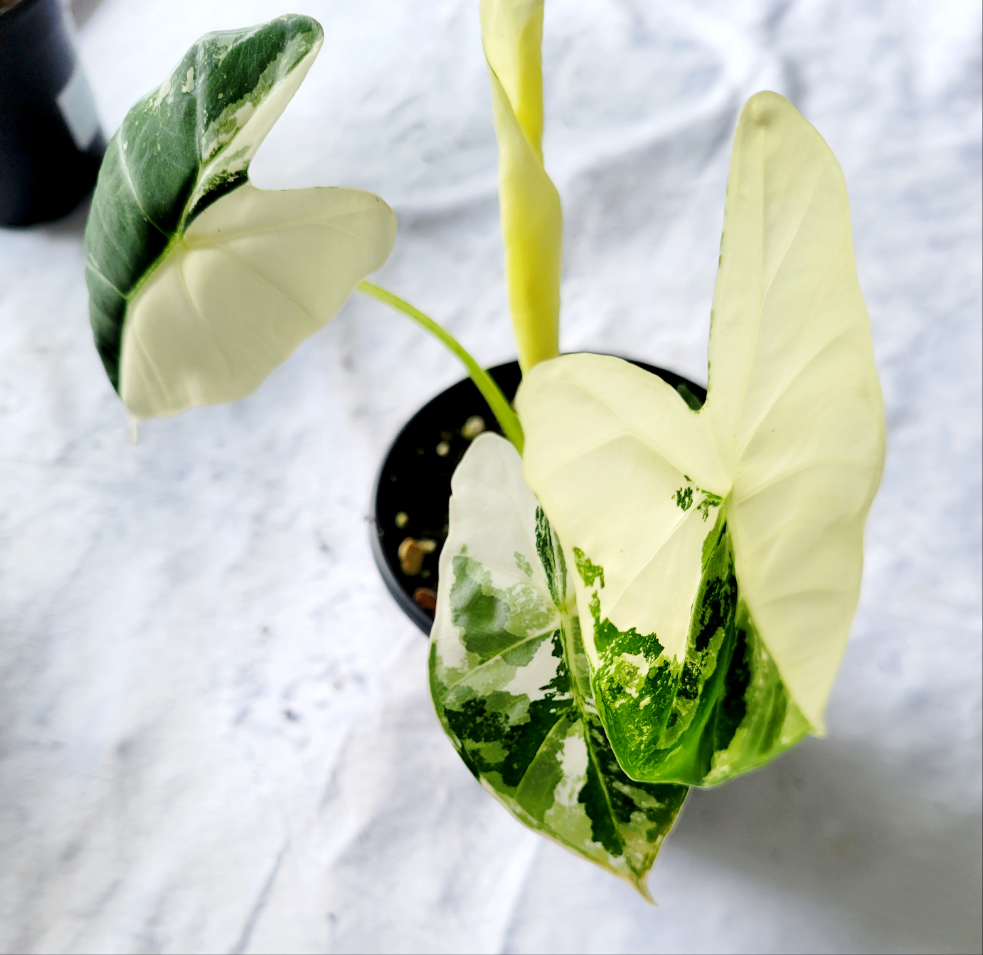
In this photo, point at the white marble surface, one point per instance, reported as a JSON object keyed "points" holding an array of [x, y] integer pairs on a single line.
{"points": [[215, 733]]}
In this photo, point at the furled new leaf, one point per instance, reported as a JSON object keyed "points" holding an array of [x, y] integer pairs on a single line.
{"points": [[719, 552], [532, 225], [510, 681], [199, 283]]}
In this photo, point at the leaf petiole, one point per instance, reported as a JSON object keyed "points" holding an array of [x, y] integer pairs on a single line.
{"points": [[490, 391]]}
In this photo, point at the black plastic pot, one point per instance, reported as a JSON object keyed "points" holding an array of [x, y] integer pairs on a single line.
{"points": [[414, 484], [50, 141]]}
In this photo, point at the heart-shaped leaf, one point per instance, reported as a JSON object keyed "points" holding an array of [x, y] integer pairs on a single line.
{"points": [[719, 552], [199, 283], [510, 680]]}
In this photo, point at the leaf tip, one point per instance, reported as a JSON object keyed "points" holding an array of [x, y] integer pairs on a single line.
{"points": [[640, 883], [765, 107]]}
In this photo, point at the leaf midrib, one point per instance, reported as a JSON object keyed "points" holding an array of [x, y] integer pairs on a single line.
{"points": [[180, 232], [580, 705]]}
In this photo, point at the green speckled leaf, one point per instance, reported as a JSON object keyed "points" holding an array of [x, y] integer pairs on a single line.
{"points": [[722, 710], [510, 680], [199, 283], [719, 550]]}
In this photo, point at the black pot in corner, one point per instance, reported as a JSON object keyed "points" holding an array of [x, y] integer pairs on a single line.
{"points": [[51, 143], [414, 483]]}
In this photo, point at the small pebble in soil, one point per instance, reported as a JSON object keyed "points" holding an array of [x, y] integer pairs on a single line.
{"points": [[425, 598], [443, 449], [411, 556], [473, 427], [402, 518]]}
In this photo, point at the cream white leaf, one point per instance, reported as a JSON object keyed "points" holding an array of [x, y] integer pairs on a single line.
{"points": [[794, 400], [253, 276]]}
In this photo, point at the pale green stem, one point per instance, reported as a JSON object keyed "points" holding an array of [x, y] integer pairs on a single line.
{"points": [[490, 391]]}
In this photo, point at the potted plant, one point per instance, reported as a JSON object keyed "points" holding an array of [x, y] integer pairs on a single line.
{"points": [[639, 592]]}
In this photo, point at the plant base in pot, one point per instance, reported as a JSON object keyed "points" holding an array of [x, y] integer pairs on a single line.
{"points": [[414, 484]]}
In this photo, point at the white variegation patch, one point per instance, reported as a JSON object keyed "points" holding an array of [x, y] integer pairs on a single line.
{"points": [[573, 759], [532, 681]]}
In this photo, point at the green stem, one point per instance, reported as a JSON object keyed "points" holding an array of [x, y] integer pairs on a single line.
{"points": [[490, 391]]}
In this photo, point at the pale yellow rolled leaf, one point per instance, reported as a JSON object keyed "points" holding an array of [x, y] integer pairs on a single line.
{"points": [[532, 225]]}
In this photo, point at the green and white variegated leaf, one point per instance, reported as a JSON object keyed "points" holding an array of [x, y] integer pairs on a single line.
{"points": [[510, 680], [199, 283], [719, 551]]}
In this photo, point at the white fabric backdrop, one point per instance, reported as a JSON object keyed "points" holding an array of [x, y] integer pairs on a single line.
{"points": [[215, 733]]}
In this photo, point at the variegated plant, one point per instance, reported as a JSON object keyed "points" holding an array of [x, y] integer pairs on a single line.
{"points": [[689, 626], [717, 550]]}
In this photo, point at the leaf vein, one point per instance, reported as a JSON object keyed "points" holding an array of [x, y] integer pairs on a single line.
{"points": [[124, 165], [498, 656], [788, 384]]}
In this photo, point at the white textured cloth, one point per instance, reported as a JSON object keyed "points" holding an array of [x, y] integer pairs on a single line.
{"points": [[215, 731]]}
